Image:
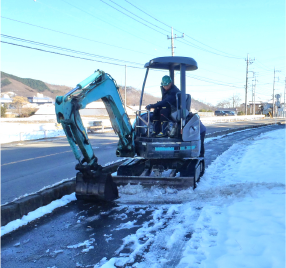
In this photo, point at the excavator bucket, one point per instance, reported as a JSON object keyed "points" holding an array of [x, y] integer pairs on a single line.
{"points": [[181, 175], [148, 181], [96, 185], [99, 187]]}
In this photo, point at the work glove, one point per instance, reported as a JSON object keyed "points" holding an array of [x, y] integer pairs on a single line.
{"points": [[149, 107]]}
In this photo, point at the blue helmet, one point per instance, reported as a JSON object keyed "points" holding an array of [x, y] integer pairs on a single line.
{"points": [[166, 80]]}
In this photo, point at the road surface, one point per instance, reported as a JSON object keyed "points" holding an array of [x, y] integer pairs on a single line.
{"points": [[87, 235]]}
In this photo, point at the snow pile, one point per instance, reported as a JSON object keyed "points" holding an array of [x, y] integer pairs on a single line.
{"points": [[11, 131], [19, 131], [249, 233], [234, 218], [13, 225]]}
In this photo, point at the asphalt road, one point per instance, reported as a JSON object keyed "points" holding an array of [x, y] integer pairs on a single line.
{"points": [[27, 167], [47, 241]]}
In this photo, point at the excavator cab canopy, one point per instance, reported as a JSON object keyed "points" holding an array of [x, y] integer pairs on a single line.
{"points": [[172, 64], [168, 63]]}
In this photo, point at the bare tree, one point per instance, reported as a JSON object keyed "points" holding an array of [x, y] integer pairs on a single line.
{"points": [[232, 102], [235, 101], [18, 103], [224, 104]]}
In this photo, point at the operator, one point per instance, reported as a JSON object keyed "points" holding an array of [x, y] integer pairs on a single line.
{"points": [[162, 109]]}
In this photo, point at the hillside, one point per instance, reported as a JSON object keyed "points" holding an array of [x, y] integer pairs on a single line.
{"points": [[133, 96], [28, 87]]}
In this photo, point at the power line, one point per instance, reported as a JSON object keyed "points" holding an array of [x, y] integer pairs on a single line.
{"points": [[262, 94], [218, 73], [203, 49], [184, 42], [188, 43], [131, 17], [227, 54], [263, 66], [65, 49], [105, 21], [72, 35], [138, 16], [148, 14], [72, 56], [230, 55], [213, 81]]}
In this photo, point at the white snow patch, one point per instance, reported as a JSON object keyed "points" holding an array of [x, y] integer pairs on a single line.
{"points": [[87, 244], [45, 187], [234, 218], [126, 225], [13, 225]]}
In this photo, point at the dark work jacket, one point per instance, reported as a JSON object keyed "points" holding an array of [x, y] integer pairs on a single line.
{"points": [[168, 96], [202, 127]]}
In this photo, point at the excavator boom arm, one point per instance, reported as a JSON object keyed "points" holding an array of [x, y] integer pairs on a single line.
{"points": [[98, 86]]}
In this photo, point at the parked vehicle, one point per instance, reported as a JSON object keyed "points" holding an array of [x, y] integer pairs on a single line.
{"points": [[220, 113], [229, 113]]}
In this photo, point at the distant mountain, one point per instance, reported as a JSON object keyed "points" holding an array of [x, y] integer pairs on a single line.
{"points": [[133, 96], [197, 105], [28, 87]]}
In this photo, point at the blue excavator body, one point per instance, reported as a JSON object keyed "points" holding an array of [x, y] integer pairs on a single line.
{"points": [[149, 158]]}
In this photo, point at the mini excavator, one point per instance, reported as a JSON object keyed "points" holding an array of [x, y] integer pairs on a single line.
{"points": [[166, 161]]}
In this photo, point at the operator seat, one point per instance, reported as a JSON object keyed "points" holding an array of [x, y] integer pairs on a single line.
{"points": [[176, 113]]}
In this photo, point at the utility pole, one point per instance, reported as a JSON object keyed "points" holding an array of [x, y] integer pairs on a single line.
{"points": [[125, 90], [254, 96], [273, 102], [253, 92], [273, 107], [172, 40], [284, 111], [248, 61], [232, 100]]}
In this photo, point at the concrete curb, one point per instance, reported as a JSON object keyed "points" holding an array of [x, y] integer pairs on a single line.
{"points": [[17, 209], [20, 207]]}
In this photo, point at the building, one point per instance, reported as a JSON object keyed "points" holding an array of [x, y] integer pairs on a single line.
{"points": [[40, 99], [97, 108], [5, 99]]}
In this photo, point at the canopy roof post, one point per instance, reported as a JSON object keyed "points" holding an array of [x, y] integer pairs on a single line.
{"points": [[172, 73], [183, 92]]}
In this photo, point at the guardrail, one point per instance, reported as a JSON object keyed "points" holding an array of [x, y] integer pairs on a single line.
{"points": [[16, 131], [220, 119]]}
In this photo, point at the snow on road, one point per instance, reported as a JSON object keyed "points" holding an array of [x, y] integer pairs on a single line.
{"points": [[19, 131], [234, 218]]}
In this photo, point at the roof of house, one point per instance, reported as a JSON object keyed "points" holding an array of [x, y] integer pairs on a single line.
{"points": [[5, 100]]}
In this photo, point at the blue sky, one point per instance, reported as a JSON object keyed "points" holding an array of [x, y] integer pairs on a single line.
{"points": [[218, 35]]}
